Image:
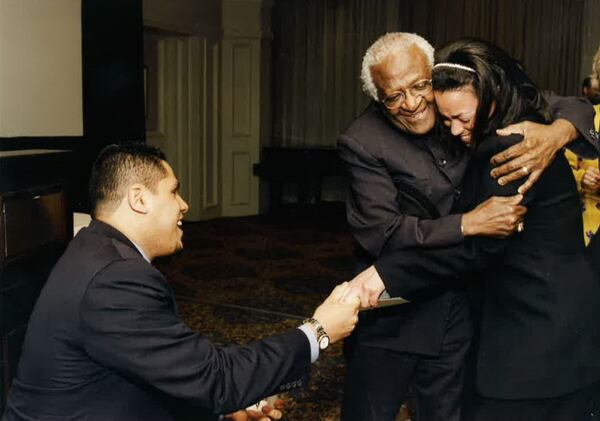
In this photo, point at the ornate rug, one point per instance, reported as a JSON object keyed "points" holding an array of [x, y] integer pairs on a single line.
{"points": [[240, 279]]}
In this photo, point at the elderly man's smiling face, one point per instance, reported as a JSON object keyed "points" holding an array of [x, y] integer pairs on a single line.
{"points": [[404, 73]]}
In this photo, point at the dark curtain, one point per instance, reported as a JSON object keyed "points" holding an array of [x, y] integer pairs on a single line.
{"points": [[317, 50], [545, 35], [318, 47]]}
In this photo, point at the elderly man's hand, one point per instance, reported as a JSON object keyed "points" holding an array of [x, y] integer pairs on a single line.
{"points": [[497, 217], [367, 286], [533, 154]]}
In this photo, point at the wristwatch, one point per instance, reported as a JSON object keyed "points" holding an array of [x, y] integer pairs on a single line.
{"points": [[322, 338]]}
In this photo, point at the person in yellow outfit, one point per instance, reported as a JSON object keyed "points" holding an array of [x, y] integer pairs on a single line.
{"points": [[587, 173], [587, 176]]}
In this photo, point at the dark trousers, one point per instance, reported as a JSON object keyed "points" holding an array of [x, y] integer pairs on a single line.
{"points": [[582, 405], [377, 381]]}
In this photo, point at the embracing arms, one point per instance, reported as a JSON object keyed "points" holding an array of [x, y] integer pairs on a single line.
{"points": [[375, 206], [385, 216]]}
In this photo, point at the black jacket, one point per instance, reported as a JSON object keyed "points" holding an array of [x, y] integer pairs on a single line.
{"points": [[402, 189], [104, 342]]}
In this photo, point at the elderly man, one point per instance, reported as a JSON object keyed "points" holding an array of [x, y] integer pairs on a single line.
{"points": [[403, 184], [104, 341]]}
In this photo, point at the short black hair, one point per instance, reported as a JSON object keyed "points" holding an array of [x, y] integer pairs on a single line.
{"points": [[496, 77], [587, 82], [117, 167]]}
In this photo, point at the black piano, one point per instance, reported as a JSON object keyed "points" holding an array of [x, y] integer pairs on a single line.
{"points": [[304, 167]]}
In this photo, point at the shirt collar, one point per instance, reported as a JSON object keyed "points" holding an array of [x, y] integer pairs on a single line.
{"points": [[141, 251]]}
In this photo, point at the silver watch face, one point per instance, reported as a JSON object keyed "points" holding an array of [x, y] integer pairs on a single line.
{"points": [[324, 342]]}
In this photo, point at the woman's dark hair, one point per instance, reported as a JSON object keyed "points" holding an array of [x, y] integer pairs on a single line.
{"points": [[496, 77]]}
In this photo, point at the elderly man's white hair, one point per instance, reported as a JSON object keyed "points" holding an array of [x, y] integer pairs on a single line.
{"points": [[390, 43]]}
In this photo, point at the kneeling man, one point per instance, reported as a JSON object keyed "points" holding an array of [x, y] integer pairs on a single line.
{"points": [[104, 341]]}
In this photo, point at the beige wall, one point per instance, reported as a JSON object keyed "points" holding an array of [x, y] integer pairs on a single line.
{"points": [[40, 68], [591, 35]]}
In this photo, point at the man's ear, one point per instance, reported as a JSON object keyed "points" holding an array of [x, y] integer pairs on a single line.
{"points": [[137, 198]]}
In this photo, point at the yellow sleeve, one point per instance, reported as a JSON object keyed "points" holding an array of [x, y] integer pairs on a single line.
{"points": [[574, 163]]}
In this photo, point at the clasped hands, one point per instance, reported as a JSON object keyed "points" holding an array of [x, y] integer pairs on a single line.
{"points": [[367, 286]]}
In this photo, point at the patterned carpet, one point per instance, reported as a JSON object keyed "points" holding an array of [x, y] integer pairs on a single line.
{"points": [[240, 279]]}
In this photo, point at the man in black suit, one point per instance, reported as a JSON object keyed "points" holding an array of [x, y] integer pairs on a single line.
{"points": [[403, 184], [104, 341]]}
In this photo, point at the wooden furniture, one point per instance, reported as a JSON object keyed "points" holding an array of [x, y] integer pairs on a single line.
{"points": [[35, 227]]}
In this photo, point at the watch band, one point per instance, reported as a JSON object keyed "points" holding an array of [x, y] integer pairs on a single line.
{"points": [[322, 337], [318, 326]]}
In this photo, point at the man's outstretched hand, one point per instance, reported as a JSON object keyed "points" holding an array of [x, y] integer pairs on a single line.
{"points": [[338, 317], [530, 157], [367, 286]]}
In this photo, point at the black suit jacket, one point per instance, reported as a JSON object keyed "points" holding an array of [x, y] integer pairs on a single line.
{"points": [[104, 342], [402, 188], [539, 330]]}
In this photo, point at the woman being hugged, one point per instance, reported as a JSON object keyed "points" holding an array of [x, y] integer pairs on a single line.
{"points": [[538, 356]]}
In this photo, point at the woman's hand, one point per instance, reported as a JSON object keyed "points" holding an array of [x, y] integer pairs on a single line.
{"points": [[496, 217], [533, 154], [591, 179]]}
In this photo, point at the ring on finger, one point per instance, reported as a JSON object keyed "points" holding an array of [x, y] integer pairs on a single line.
{"points": [[525, 169], [520, 226]]}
